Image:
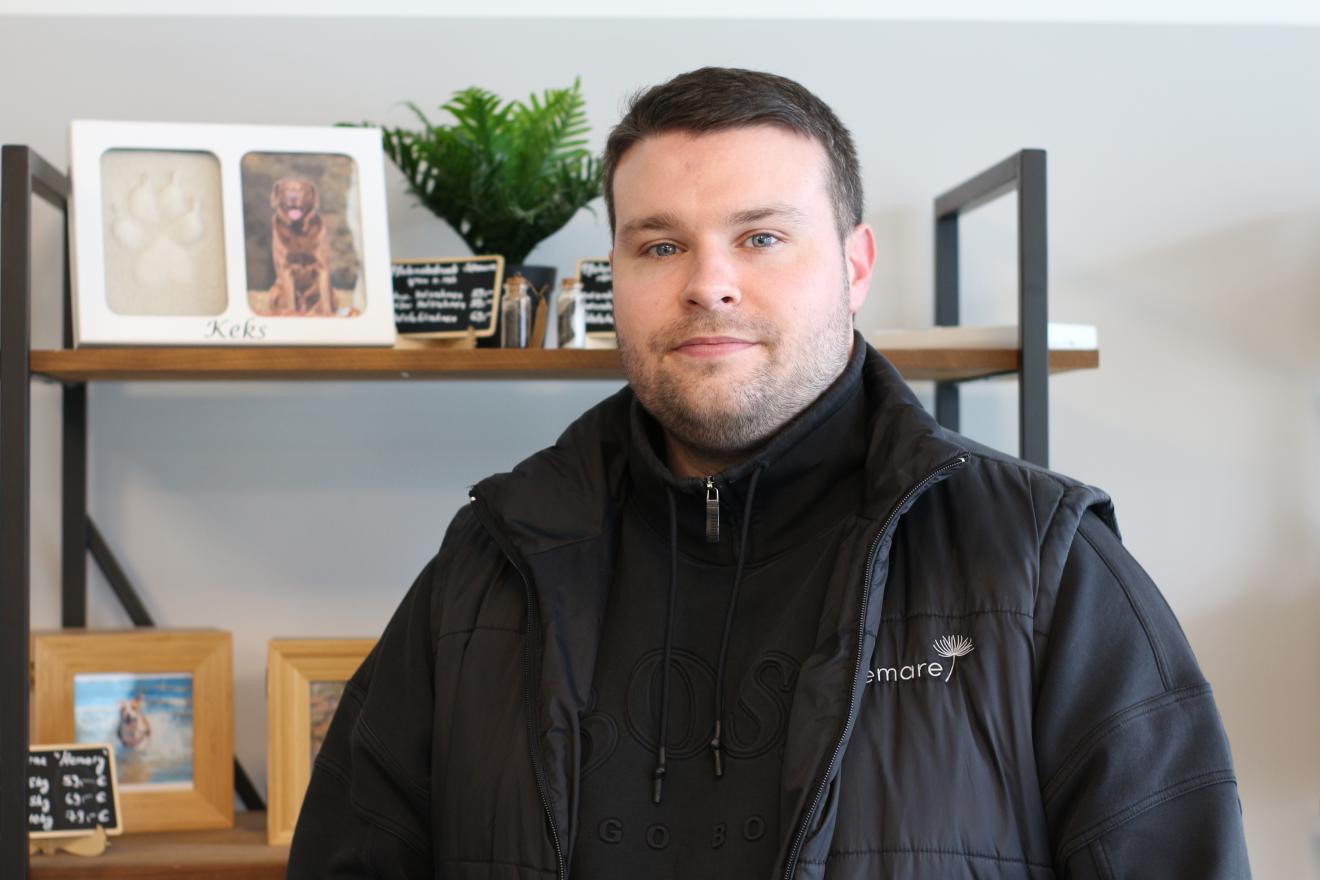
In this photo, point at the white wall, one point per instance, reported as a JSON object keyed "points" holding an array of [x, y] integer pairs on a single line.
{"points": [[1184, 221], [1290, 12]]}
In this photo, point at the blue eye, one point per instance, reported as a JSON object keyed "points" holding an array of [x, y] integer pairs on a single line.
{"points": [[663, 249], [763, 239]]}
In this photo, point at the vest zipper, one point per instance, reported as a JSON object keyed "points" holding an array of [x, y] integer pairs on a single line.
{"points": [[529, 638], [800, 837], [712, 512]]}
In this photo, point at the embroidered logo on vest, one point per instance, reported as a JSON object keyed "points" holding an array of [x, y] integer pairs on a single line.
{"points": [[948, 647]]}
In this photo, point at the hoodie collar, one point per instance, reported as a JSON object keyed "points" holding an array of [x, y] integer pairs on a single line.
{"points": [[590, 467], [803, 486]]}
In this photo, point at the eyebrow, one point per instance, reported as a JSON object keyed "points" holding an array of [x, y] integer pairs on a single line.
{"points": [[652, 223], [664, 221], [756, 215]]}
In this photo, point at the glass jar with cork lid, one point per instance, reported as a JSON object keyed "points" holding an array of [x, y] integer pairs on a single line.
{"points": [[517, 308], [571, 311]]}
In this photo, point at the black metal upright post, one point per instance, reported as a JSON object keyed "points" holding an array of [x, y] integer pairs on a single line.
{"points": [[23, 174], [73, 546], [948, 410], [1025, 172], [73, 502], [1033, 311], [15, 416]]}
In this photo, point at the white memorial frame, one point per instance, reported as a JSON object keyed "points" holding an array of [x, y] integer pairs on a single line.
{"points": [[95, 323]]}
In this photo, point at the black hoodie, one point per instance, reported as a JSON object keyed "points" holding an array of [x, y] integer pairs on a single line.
{"points": [[713, 609], [993, 689]]}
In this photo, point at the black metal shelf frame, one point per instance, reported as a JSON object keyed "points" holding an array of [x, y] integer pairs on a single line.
{"points": [[1024, 172], [23, 175]]}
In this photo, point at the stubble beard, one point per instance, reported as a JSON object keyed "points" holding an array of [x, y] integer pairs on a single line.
{"points": [[726, 420]]}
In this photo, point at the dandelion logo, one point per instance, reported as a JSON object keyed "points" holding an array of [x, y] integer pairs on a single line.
{"points": [[952, 647], [948, 647]]}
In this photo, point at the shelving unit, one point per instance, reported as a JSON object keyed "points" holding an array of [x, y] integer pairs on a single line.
{"points": [[325, 364], [242, 851]]}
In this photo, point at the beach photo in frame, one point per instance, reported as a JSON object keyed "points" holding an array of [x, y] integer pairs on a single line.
{"points": [[203, 234], [163, 699], [305, 679]]}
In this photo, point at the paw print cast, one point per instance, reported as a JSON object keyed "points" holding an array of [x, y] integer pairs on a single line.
{"points": [[160, 228]]}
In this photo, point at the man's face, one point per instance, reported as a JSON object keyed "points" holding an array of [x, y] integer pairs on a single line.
{"points": [[733, 295]]}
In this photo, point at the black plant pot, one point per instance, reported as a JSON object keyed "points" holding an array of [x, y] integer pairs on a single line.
{"points": [[542, 279]]}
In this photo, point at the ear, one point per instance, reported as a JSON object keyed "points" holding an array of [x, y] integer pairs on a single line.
{"points": [[859, 252], [275, 194]]}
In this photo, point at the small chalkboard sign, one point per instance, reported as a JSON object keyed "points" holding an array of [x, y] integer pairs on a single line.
{"points": [[597, 280], [71, 790], [447, 298]]}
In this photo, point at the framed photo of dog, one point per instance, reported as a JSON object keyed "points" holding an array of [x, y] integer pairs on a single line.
{"points": [[305, 679], [163, 699], [189, 234]]}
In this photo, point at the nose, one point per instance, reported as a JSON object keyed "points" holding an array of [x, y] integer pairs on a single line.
{"points": [[713, 283]]}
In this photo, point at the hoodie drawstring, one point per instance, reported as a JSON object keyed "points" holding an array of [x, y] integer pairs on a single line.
{"points": [[715, 746], [658, 775]]}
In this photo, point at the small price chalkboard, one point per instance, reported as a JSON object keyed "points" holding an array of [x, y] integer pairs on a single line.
{"points": [[447, 298], [71, 789], [597, 280]]}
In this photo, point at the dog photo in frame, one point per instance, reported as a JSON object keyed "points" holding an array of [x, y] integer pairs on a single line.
{"points": [[188, 234], [305, 679], [163, 698]]}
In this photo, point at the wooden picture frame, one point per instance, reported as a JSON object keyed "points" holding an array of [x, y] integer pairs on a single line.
{"points": [[180, 722], [293, 667]]}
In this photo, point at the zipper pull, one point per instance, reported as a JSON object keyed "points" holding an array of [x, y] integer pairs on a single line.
{"points": [[712, 512]]}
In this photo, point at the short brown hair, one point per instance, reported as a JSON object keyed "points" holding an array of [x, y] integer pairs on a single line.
{"points": [[718, 98]]}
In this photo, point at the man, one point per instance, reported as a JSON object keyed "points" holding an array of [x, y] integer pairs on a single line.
{"points": [[757, 615]]}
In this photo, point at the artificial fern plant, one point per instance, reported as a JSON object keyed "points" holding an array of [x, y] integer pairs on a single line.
{"points": [[505, 176]]}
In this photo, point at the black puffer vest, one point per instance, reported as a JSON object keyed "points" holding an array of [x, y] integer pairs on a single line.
{"points": [[996, 689]]}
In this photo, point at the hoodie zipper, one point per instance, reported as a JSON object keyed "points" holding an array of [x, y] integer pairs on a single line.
{"points": [[712, 511], [533, 739], [801, 835]]}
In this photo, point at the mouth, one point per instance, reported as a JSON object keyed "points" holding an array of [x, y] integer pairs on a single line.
{"points": [[295, 214], [712, 346]]}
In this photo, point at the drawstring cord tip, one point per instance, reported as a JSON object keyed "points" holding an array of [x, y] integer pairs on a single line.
{"points": [[658, 778], [719, 754]]}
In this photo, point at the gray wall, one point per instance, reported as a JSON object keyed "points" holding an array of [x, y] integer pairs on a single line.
{"points": [[1184, 222]]}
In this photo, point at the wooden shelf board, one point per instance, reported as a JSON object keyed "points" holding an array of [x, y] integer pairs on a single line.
{"points": [[227, 854], [246, 364], [961, 364], [284, 364]]}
